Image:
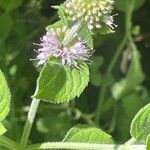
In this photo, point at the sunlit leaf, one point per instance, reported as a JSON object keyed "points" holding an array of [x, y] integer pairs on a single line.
{"points": [[2, 129], [56, 25], [86, 133], [140, 126], [58, 83], [4, 97], [62, 15], [85, 35], [148, 143]]}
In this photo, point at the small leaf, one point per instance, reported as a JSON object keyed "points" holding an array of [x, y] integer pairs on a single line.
{"points": [[86, 133], [123, 5], [2, 129], [148, 143], [58, 83], [105, 29], [62, 15], [140, 126], [86, 35], [4, 97], [9, 5], [56, 25], [134, 77]]}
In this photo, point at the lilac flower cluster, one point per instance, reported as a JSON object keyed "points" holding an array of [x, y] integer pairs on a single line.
{"points": [[70, 54]]}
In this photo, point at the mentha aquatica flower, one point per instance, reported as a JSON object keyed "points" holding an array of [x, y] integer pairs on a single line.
{"points": [[68, 51], [95, 12]]}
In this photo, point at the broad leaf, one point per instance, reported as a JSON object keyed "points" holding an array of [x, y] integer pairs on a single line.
{"points": [[133, 78], [140, 126], [4, 97], [89, 134], [58, 83], [2, 129]]}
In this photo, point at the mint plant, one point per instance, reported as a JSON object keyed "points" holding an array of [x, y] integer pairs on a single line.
{"points": [[67, 64]]}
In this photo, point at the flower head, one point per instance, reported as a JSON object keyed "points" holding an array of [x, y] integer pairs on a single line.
{"points": [[95, 12], [70, 53]]}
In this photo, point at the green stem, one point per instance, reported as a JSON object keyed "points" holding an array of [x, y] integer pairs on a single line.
{"points": [[7, 143], [114, 60], [83, 146], [29, 121], [103, 89]]}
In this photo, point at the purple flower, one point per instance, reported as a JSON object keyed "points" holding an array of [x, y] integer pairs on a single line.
{"points": [[69, 53]]}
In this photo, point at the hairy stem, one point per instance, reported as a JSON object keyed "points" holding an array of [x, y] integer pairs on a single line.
{"points": [[29, 121], [84, 146]]}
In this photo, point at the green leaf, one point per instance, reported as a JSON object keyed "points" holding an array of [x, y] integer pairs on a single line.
{"points": [[123, 5], [134, 77], [63, 16], [105, 29], [4, 97], [9, 5], [140, 126], [56, 25], [6, 24], [2, 129], [148, 143], [86, 35], [86, 133], [58, 83]]}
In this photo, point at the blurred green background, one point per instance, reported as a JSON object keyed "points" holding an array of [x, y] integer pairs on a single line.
{"points": [[22, 23]]}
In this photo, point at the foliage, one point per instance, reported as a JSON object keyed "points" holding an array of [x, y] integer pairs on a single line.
{"points": [[102, 97]]}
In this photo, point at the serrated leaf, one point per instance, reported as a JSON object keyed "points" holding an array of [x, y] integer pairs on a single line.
{"points": [[9, 5], [58, 83], [4, 97], [2, 129], [123, 5], [140, 126], [86, 35], [133, 78], [148, 143], [89, 134]]}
